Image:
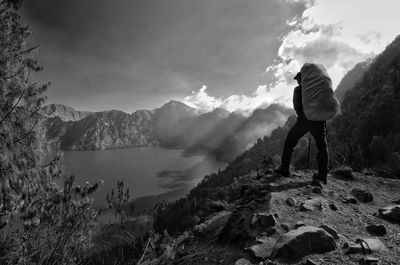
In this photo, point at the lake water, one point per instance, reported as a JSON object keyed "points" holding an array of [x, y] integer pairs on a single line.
{"points": [[145, 171]]}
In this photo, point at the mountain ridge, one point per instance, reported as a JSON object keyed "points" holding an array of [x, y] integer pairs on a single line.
{"points": [[173, 125]]}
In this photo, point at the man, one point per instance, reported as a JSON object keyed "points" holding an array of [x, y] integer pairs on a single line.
{"points": [[299, 129]]}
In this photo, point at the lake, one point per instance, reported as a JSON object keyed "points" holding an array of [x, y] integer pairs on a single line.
{"points": [[146, 171]]}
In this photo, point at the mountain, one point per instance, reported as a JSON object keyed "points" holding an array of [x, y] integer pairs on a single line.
{"points": [[106, 130], [246, 214], [369, 128], [261, 123], [169, 121], [65, 113], [215, 137], [173, 125], [351, 78]]}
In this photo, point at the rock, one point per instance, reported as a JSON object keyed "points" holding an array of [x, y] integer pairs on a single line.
{"points": [[344, 239], [285, 227], [265, 219], [213, 226], [362, 195], [264, 250], [369, 261], [391, 213], [291, 201], [366, 246], [333, 206], [343, 172], [314, 204], [269, 262], [303, 241], [317, 190], [237, 229], [350, 199], [378, 230], [330, 230], [310, 262], [299, 224], [243, 262]]}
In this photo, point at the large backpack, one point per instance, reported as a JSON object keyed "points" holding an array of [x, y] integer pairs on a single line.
{"points": [[319, 102]]}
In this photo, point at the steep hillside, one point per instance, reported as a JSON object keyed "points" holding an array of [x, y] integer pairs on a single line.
{"points": [[109, 129], [246, 214], [351, 78], [174, 125], [262, 122], [65, 113], [197, 127], [263, 218], [370, 124], [214, 138]]}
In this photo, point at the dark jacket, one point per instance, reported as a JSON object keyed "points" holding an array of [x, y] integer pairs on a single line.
{"points": [[297, 103]]}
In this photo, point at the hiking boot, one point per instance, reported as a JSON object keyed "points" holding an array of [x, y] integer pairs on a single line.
{"points": [[284, 172], [320, 178]]}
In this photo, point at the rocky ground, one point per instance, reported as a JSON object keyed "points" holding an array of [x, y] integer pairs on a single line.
{"points": [[287, 221]]}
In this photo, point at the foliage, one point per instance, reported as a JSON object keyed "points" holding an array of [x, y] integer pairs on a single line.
{"points": [[40, 222], [54, 229]]}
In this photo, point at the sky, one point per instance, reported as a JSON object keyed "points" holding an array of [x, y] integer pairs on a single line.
{"points": [[234, 54]]}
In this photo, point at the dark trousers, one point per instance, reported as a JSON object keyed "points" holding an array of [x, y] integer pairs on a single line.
{"points": [[318, 131]]}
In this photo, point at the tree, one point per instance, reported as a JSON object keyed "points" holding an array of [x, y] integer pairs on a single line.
{"points": [[20, 144], [40, 222]]}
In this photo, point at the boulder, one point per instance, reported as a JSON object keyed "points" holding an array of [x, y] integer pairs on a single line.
{"points": [[291, 201], [262, 251], [366, 246], [362, 195], [391, 213], [310, 262], [243, 262], [265, 219], [333, 206], [303, 241], [299, 224], [369, 261], [212, 226], [343, 173], [377, 230], [317, 190], [330, 230], [350, 199], [314, 204], [237, 229]]}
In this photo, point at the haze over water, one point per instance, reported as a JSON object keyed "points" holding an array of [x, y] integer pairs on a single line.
{"points": [[145, 170]]}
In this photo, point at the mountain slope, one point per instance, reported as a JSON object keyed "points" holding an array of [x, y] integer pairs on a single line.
{"points": [[215, 137], [351, 78], [109, 129], [65, 113], [174, 125], [262, 122], [249, 219], [371, 110], [169, 121]]}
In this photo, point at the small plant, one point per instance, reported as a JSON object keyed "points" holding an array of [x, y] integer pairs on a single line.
{"points": [[117, 203]]}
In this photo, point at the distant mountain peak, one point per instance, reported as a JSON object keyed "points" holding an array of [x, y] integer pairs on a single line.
{"points": [[221, 112], [65, 113]]}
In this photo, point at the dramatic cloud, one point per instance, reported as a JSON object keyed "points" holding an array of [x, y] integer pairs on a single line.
{"points": [[243, 104], [337, 34]]}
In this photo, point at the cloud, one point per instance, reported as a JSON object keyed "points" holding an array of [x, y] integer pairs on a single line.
{"points": [[243, 104], [338, 34]]}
